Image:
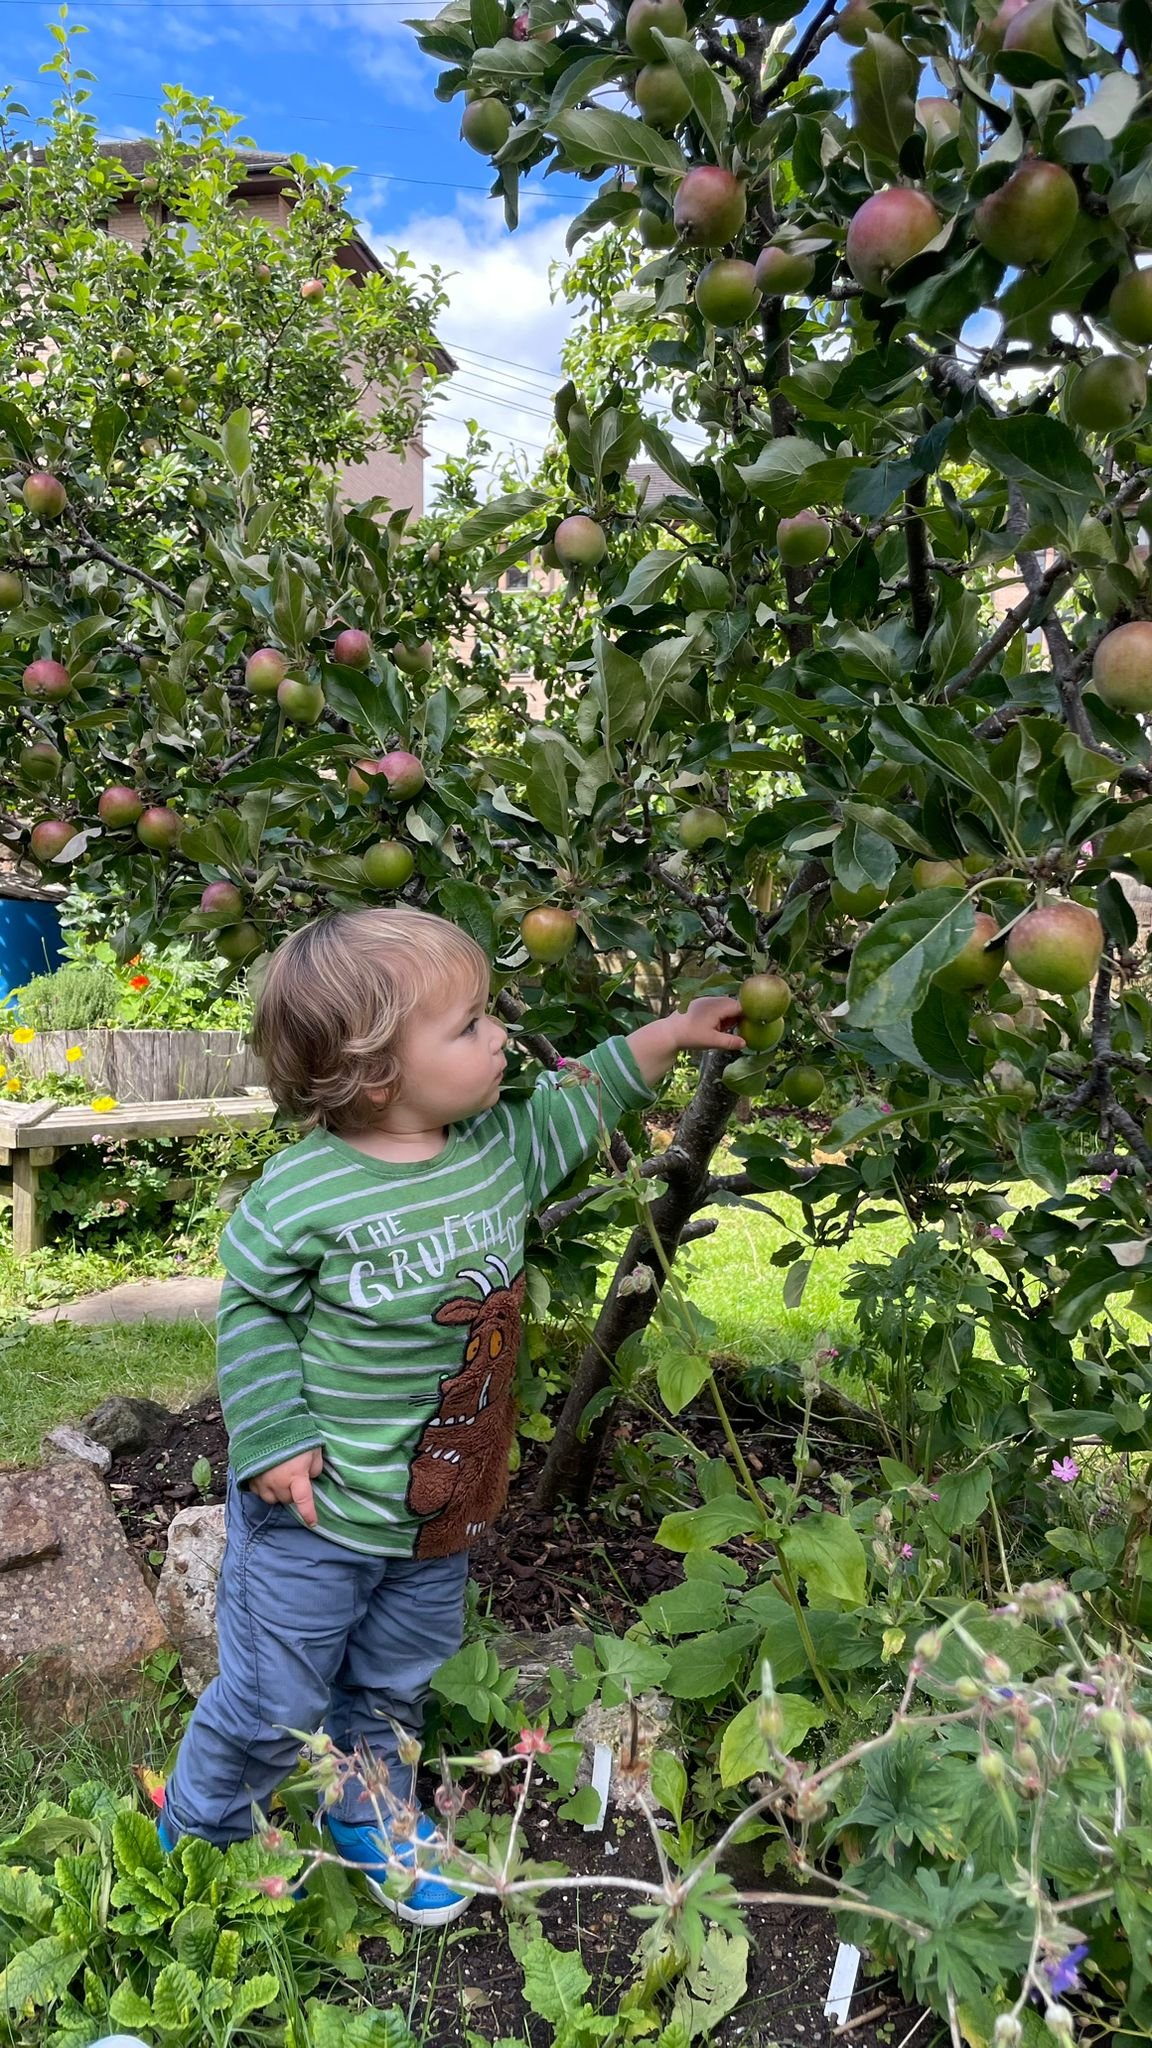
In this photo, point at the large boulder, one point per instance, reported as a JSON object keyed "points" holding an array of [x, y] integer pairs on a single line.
{"points": [[186, 1595], [127, 1422], [77, 1621]]}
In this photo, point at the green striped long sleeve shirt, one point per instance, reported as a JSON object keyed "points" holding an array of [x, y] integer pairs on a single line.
{"points": [[373, 1308]]}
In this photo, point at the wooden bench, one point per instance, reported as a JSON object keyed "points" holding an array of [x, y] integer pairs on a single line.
{"points": [[33, 1134]]}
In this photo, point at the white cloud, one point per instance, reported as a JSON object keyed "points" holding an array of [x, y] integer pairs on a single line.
{"points": [[500, 324]]}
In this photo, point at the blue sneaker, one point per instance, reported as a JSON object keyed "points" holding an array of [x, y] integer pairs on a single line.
{"points": [[166, 1832], [429, 1901]]}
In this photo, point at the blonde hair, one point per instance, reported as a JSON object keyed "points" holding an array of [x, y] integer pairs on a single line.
{"points": [[336, 997]]}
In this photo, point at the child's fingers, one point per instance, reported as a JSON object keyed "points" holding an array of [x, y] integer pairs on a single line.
{"points": [[316, 1463], [302, 1501]]}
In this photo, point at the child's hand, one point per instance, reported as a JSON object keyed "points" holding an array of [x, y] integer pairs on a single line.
{"points": [[708, 1022], [290, 1485]]}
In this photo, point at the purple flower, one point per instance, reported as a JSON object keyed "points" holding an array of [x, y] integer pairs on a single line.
{"points": [[906, 1550], [1108, 1183], [997, 1235], [1063, 1972], [885, 1109], [1066, 1470]]}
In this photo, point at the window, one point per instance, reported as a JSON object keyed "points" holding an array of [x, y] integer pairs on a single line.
{"points": [[516, 579]]}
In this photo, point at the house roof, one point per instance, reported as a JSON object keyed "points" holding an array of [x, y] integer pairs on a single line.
{"points": [[264, 173]]}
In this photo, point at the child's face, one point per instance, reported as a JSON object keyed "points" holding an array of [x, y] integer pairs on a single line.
{"points": [[452, 1061]]}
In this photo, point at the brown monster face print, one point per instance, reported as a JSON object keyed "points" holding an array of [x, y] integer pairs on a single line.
{"points": [[460, 1470]]}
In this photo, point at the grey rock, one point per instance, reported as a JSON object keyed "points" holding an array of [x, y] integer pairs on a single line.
{"points": [[532, 1655], [127, 1423], [27, 1537], [68, 1442], [76, 1629], [186, 1595]]}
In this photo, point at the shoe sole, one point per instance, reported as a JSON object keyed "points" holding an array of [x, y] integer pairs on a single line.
{"points": [[416, 1916]]}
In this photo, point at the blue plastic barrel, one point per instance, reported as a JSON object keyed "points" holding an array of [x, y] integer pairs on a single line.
{"points": [[30, 941]]}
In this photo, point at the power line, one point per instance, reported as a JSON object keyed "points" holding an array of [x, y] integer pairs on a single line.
{"points": [[464, 349], [274, 113]]}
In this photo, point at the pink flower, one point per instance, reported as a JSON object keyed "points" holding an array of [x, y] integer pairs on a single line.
{"points": [[273, 1887], [532, 1742], [1108, 1183], [885, 1109], [906, 1550], [1066, 1470], [997, 1235]]}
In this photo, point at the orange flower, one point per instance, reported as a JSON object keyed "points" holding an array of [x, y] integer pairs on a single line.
{"points": [[138, 981]]}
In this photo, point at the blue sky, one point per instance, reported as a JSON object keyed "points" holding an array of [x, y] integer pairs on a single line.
{"points": [[345, 81]]}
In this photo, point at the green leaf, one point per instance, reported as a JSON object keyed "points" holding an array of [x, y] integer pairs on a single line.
{"points": [[594, 136], [707, 1527], [577, 82], [712, 102], [709, 1664], [693, 1604], [1037, 452], [583, 1807], [649, 579], [1110, 108], [487, 20], [39, 1975], [175, 1997], [109, 425], [744, 1751], [555, 1980], [546, 790], [194, 1934], [1042, 1155], [508, 61], [669, 1783], [620, 688], [495, 517], [615, 204], [893, 964], [18, 429], [829, 1556], [777, 475], [963, 1497], [251, 1993], [796, 1280], [465, 903], [884, 79], [680, 1375], [127, 2008], [236, 441]]}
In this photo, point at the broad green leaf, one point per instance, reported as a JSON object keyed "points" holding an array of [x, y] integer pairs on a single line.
{"points": [[680, 1375], [744, 1752], [706, 1665], [777, 475], [236, 441], [962, 1499], [621, 689], [1042, 1154], [507, 61], [669, 1782], [684, 1609], [555, 1980], [616, 204], [650, 578], [577, 82], [1110, 107], [796, 1280], [495, 517], [595, 136], [704, 1528], [175, 1998], [884, 79], [1036, 451], [713, 1984], [252, 1993], [546, 790], [109, 425], [127, 2008], [829, 1556], [17, 428], [893, 963], [712, 102], [39, 1975]]}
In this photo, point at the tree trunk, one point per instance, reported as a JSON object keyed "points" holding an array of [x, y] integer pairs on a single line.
{"points": [[569, 1470]]}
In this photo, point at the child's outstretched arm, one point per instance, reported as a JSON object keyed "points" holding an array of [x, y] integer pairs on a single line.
{"points": [[706, 1023]]}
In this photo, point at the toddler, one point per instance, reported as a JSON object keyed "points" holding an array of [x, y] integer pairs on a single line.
{"points": [[368, 1334]]}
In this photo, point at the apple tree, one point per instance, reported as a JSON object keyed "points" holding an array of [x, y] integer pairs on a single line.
{"points": [[852, 718]]}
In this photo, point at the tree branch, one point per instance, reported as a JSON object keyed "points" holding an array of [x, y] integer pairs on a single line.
{"points": [[818, 29], [919, 558], [102, 554], [1020, 614]]}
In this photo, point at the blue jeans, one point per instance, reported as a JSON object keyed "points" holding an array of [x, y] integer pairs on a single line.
{"points": [[311, 1635]]}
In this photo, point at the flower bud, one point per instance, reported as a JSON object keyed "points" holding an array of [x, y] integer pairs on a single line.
{"points": [[1110, 1722], [996, 1671], [967, 1689], [1007, 2031], [1061, 2021], [991, 1766], [929, 1646], [770, 1719]]}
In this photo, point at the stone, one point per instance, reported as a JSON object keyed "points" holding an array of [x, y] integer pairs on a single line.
{"points": [[531, 1656], [77, 1627], [633, 1731], [26, 1537], [127, 1423], [186, 1595], [185, 1298], [68, 1442]]}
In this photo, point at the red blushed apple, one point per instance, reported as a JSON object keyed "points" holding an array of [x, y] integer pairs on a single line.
{"points": [[403, 773], [223, 902], [119, 807], [159, 828], [265, 670], [352, 648], [44, 494], [48, 839], [47, 679]]}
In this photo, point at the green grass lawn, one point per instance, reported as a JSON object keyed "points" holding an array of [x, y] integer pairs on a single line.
{"points": [[53, 1373]]}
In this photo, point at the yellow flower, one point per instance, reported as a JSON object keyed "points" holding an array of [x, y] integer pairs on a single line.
{"points": [[23, 1035], [13, 1085], [102, 1102], [74, 1053], [3, 1071]]}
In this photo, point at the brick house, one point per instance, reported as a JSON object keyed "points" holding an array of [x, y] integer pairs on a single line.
{"points": [[265, 190]]}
